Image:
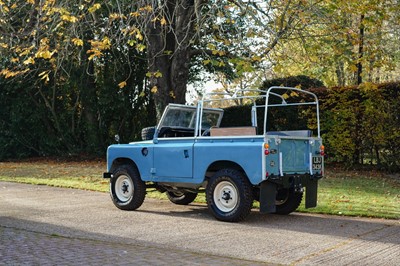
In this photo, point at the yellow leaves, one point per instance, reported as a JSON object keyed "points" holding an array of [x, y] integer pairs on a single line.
{"points": [[292, 93], [122, 84], [214, 62], [98, 47], [45, 76], [94, 53], [106, 44], [115, 16], [28, 61], [140, 47], [30, 1], [135, 31], [353, 68], [5, 8], [369, 87], [147, 8], [163, 21], [156, 74], [154, 89], [256, 58], [45, 54], [131, 42], [42, 52], [77, 42], [139, 35], [211, 46], [172, 94], [10, 74], [135, 14], [285, 96], [69, 18], [217, 52], [3, 45], [94, 8]]}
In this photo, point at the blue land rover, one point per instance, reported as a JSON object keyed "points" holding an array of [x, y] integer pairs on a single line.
{"points": [[189, 151]]}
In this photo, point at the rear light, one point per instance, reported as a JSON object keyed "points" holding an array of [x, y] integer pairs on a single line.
{"points": [[322, 150], [266, 147]]}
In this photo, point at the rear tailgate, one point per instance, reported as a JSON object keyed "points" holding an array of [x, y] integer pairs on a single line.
{"points": [[294, 155]]}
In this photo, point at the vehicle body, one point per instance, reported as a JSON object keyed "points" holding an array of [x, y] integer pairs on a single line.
{"points": [[190, 152]]}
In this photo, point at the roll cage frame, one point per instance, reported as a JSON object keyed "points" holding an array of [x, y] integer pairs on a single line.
{"points": [[262, 94]]}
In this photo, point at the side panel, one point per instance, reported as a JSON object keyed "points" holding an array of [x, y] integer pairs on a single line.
{"points": [[173, 158], [246, 152]]}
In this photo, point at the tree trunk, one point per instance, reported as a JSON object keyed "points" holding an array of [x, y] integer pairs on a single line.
{"points": [[169, 54], [360, 51]]}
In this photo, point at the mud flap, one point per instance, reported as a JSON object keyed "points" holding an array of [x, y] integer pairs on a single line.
{"points": [[311, 194], [267, 197]]}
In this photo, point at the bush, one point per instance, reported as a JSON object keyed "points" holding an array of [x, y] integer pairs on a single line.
{"points": [[361, 124]]}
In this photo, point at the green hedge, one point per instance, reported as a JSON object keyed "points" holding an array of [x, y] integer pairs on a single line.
{"points": [[360, 125]]}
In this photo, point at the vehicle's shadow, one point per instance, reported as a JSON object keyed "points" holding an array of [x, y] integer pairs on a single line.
{"points": [[300, 222]]}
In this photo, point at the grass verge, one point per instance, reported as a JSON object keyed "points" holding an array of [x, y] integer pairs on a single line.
{"points": [[350, 193]]}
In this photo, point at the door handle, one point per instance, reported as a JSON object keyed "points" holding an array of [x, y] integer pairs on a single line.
{"points": [[186, 153]]}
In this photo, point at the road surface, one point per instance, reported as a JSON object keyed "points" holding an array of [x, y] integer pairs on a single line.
{"points": [[48, 225]]}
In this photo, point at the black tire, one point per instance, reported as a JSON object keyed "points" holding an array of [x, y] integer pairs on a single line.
{"points": [[181, 198], [127, 189], [148, 133], [287, 201], [229, 196]]}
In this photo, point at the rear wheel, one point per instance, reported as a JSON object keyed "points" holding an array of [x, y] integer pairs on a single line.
{"points": [[229, 195], [287, 201], [181, 198], [127, 189]]}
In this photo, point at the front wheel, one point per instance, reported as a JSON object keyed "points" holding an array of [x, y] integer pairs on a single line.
{"points": [[229, 195], [127, 189], [287, 201], [181, 198]]}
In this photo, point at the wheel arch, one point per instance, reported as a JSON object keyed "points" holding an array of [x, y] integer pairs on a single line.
{"points": [[224, 164], [123, 161]]}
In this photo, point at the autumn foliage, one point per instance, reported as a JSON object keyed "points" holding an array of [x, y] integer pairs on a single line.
{"points": [[361, 124]]}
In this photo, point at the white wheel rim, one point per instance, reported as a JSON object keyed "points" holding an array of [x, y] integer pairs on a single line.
{"points": [[226, 196], [124, 188]]}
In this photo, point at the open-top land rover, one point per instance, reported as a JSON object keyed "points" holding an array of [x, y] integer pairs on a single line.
{"points": [[191, 151]]}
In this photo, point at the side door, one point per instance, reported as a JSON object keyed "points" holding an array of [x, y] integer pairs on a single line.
{"points": [[173, 158]]}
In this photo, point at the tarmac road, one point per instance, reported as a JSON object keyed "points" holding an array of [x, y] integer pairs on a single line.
{"points": [[42, 225]]}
